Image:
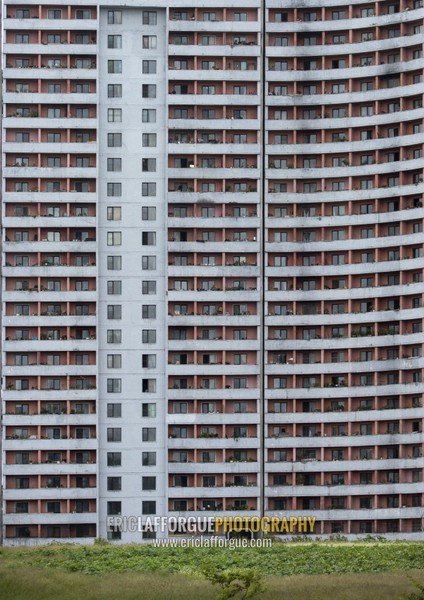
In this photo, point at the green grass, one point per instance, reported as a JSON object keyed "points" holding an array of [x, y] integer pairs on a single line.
{"points": [[313, 571], [42, 584]]}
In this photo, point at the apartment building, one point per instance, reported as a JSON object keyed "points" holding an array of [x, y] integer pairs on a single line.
{"points": [[212, 265]]}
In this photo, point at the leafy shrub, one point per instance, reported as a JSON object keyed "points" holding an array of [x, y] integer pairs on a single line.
{"points": [[419, 595], [247, 582]]}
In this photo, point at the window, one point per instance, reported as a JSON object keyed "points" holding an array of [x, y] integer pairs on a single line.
{"points": [[21, 38], [114, 311], [148, 263], [148, 90], [148, 336], [148, 483], [150, 17], [148, 287], [148, 238], [53, 507], [149, 312], [54, 14], [149, 409], [114, 140], [114, 164], [114, 41], [149, 115], [114, 459], [114, 17], [148, 165], [22, 13], [148, 361], [114, 386], [149, 42], [149, 140], [148, 189], [114, 336], [114, 288], [149, 68], [114, 90], [80, 286], [148, 459], [114, 361], [114, 410], [339, 39], [114, 213], [114, 115], [149, 434], [114, 189], [114, 238], [114, 484]]}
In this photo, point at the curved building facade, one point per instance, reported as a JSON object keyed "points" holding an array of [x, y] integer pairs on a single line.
{"points": [[212, 265]]}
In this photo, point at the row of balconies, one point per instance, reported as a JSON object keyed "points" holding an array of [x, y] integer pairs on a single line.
{"points": [[248, 295], [352, 311], [212, 331], [298, 33], [33, 383], [187, 433], [68, 459], [40, 17], [275, 282], [188, 44], [327, 146], [47, 492], [50, 295], [45, 418], [387, 236], [315, 164], [224, 91], [46, 518], [358, 338], [351, 213], [315, 378], [49, 266], [25, 189], [50, 320], [35, 223], [359, 391], [396, 183], [209, 266], [28, 163], [288, 216], [314, 18], [317, 48], [332, 415], [330, 172], [341, 458], [252, 466], [21, 440], [336, 393], [347, 78], [221, 499], [41, 98], [284, 365], [38, 57]]}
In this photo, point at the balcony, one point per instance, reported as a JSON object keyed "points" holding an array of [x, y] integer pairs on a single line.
{"points": [[50, 395], [48, 518]]}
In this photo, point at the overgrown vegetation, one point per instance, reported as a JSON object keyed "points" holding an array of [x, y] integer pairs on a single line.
{"points": [[294, 571], [279, 559], [241, 583]]}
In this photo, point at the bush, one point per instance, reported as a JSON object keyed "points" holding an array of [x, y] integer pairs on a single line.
{"points": [[246, 582]]}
